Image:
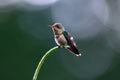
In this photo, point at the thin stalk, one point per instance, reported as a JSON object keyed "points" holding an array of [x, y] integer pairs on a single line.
{"points": [[44, 58]]}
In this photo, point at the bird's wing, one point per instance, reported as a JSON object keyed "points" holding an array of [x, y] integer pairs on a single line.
{"points": [[71, 43]]}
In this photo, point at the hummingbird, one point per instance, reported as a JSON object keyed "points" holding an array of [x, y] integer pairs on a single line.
{"points": [[63, 38]]}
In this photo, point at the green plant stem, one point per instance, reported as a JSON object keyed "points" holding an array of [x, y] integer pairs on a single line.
{"points": [[42, 61], [44, 58]]}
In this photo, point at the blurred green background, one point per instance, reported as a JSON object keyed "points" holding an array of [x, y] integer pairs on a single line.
{"points": [[25, 36]]}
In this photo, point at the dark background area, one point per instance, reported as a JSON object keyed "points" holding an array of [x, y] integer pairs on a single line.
{"points": [[25, 36]]}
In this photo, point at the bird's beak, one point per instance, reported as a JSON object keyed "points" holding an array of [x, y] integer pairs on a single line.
{"points": [[50, 26]]}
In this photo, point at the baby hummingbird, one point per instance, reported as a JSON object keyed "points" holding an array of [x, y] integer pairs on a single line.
{"points": [[63, 38]]}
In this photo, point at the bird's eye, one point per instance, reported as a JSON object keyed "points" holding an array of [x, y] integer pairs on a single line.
{"points": [[57, 26]]}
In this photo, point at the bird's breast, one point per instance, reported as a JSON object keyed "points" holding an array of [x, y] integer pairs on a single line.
{"points": [[60, 40]]}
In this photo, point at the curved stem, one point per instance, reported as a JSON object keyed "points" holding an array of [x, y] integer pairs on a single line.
{"points": [[44, 58], [42, 61]]}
